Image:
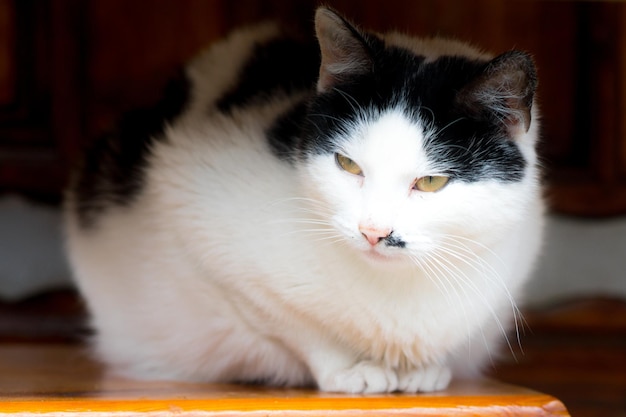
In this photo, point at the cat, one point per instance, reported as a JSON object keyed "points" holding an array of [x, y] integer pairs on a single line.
{"points": [[357, 214]]}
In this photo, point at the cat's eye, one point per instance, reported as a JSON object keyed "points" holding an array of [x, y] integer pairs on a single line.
{"points": [[348, 164], [430, 183]]}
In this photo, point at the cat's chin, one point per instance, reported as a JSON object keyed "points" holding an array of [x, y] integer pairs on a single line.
{"points": [[379, 257]]}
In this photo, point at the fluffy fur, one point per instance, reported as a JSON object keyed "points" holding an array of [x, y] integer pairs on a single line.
{"points": [[227, 244]]}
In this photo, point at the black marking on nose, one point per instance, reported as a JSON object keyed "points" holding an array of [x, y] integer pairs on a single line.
{"points": [[394, 241]]}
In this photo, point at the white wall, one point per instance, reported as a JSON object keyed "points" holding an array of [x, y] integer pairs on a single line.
{"points": [[31, 249], [581, 257]]}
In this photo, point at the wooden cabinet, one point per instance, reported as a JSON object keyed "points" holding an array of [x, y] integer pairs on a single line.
{"points": [[588, 170], [31, 144], [69, 68]]}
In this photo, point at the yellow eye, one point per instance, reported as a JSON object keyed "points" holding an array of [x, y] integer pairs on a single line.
{"points": [[348, 164], [430, 183]]}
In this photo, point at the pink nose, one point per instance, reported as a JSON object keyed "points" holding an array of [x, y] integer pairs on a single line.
{"points": [[373, 234]]}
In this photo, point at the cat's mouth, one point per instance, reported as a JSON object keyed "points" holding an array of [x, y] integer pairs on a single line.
{"points": [[381, 253]]}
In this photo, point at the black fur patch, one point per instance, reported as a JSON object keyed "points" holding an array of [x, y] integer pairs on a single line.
{"points": [[284, 134], [113, 169], [473, 149], [393, 240], [281, 65]]}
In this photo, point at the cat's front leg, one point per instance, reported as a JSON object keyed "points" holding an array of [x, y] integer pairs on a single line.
{"points": [[371, 377], [424, 379], [338, 370]]}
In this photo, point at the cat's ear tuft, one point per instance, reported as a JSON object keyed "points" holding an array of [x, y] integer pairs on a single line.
{"points": [[343, 49], [504, 91]]}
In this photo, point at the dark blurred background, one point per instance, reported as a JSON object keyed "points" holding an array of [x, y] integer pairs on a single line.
{"points": [[70, 68]]}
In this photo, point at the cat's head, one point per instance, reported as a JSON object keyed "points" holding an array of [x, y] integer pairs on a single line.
{"points": [[413, 144]]}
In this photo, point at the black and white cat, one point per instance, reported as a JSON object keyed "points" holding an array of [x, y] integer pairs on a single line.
{"points": [[363, 222]]}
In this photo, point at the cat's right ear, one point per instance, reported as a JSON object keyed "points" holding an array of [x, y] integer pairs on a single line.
{"points": [[343, 49]]}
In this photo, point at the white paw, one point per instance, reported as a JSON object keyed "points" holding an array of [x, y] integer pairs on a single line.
{"points": [[427, 379], [364, 377]]}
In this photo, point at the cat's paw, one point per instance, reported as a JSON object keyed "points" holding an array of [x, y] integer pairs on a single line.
{"points": [[364, 377], [425, 379]]}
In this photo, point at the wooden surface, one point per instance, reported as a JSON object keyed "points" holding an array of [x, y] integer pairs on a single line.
{"points": [[59, 379]]}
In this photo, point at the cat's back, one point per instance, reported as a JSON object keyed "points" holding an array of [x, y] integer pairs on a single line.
{"points": [[251, 66]]}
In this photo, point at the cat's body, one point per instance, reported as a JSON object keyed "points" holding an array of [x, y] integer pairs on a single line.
{"points": [[274, 230]]}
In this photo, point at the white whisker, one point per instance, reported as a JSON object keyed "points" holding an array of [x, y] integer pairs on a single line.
{"points": [[448, 255], [424, 266], [476, 262], [451, 123], [464, 282], [438, 266]]}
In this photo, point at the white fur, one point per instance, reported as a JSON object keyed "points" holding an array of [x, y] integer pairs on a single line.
{"points": [[233, 265]]}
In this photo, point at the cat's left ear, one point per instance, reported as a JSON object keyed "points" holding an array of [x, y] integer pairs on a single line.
{"points": [[343, 49], [504, 92]]}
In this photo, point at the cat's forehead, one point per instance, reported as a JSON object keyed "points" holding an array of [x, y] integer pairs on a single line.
{"points": [[392, 140]]}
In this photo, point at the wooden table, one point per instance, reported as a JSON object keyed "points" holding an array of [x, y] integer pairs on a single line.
{"points": [[61, 380]]}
